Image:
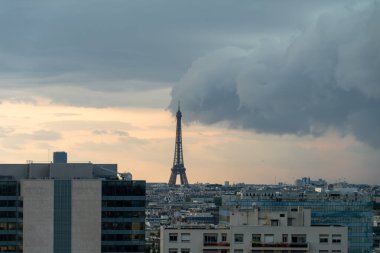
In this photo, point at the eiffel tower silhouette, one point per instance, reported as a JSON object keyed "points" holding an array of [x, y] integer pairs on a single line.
{"points": [[178, 166]]}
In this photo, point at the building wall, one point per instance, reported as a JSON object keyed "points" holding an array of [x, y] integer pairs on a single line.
{"points": [[71, 170], [312, 237], [356, 214], [38, 218], [17, 171], [195, 242], [123, 216], [254, 217], [10, 216], [80, 215], [38, 170], [58, 171], [86, 216]]}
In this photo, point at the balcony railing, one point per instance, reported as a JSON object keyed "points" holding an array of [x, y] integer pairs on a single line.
{"points": [[279, 245], [216, 244]]}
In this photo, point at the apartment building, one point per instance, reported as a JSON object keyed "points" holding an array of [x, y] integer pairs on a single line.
{"points": [[256, 231]]}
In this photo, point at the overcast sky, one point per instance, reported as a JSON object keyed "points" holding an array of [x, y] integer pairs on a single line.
{"points": [[270, 90]]}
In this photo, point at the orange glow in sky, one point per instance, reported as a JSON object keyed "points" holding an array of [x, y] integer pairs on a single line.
{"points": [[141, 141]]}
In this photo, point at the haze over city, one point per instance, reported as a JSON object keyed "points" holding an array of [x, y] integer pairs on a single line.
{"points": [[269, 91]]}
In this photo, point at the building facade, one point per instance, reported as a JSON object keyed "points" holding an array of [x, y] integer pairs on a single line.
{"points": [[70, 207], [257, 232], [353, 210]]}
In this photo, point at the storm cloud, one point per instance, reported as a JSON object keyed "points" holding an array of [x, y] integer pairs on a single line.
{"points": [[325, 78], [130, 45], [283, 67]]}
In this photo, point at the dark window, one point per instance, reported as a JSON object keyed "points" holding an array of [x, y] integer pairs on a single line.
{"points": [[123, 248], [123, 188], [256, 238], [274, 223], [173, 237], [336, 239], [210, 238], [239, 238], [323, 238], [301, 238]]}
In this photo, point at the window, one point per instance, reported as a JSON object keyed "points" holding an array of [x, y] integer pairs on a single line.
{"points": [[239, 238], [224, 237], [173, 251], [256, 238], [336, 239], [269, 238], [185, 250], [185, 237], [274, 223], [290, 222], [300, 238], [282, 215], [323, 238], [210, 238], [284, 238], [173, 237]]}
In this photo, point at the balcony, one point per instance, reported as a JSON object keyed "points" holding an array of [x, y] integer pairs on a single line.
{"points": [[216, 245], [279, 245]]}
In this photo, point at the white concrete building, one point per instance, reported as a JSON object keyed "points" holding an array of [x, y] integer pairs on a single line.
{"points": [[255, 232], [70, 207]]}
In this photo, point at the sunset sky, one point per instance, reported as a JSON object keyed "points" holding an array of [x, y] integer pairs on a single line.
{"points": [[270, 91]]}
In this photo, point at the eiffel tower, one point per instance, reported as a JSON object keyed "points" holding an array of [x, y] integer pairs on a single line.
{"points": [[178, 166]]}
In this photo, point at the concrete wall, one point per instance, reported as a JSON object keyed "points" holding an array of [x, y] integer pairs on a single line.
{"points": [[18, 171], [71, 170], [299, 217], [39, 170], [196, 239], [86, 216], [195, 244], [58, 170], [38, 221], [312, 236]]}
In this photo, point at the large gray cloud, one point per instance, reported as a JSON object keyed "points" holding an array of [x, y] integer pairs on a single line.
{"points": [[326, 77], [100, 44]]}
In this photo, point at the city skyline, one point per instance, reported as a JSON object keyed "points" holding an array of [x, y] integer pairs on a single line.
{"points": [[264, 99]]}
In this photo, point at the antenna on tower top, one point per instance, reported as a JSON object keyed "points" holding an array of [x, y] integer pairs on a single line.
{"points": [[179, 105]]}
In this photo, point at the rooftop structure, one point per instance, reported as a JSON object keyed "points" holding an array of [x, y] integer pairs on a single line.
{"points": [[58, 171], [59, 157]]}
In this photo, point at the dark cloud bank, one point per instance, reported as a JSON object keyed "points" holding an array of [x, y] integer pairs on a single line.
{"points": [[327, 77]]}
